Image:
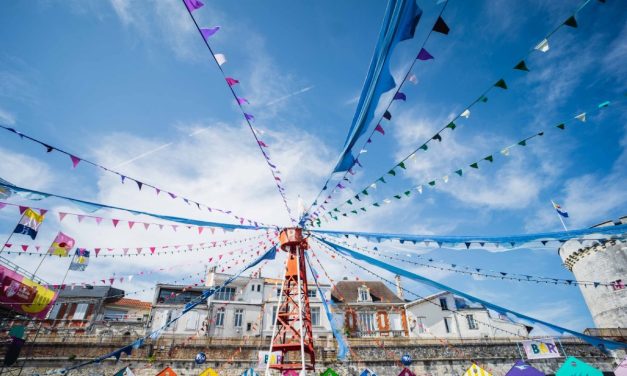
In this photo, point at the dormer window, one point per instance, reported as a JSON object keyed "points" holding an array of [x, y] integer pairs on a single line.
{"points": [[364, 294]]}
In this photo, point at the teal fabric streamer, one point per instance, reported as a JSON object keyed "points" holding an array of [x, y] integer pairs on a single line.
{"points": [[342, 347], [609, 231], [96, 206], [600, 343], [399, 24]]}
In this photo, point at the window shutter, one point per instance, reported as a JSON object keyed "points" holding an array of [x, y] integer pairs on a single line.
{"points": [[61, 312], [90, 311], [71, 310]]}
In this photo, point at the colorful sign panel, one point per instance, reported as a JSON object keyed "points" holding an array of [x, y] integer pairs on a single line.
{"points": [[521, 368], [406, 372], [577, 367], [208, 372], [25, 296], [541, 349], [264, 356]]}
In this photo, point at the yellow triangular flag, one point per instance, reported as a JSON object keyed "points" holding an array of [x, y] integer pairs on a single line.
{"points": [[475, 370]]}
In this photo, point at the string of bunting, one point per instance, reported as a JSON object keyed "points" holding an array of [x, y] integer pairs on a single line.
{"points": [[470, 270], [440, 27], [500, 84], [98, 220], [241, 256], [220, 59], [128, 349], [617, 231], [32, 194], [601, 343], [123, 178], [335, 213]]}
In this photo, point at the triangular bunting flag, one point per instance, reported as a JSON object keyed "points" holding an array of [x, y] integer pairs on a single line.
{"points": [[441, 26], [522, 66]]}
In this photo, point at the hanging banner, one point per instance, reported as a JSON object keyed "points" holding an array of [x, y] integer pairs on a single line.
{"points": [[263, 357], [621, 370], [520, 368], [24, 295], [475, 370], [576, 367], [541, 349]]}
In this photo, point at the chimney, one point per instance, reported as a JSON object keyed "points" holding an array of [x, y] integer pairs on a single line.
{"points": [[399, 289], [211, 276]]}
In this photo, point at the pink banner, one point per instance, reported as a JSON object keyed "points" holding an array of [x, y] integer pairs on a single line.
{"points": [[24, 295]]}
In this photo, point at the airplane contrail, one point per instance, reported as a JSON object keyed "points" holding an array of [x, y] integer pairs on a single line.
{"points": [[288, 96]]}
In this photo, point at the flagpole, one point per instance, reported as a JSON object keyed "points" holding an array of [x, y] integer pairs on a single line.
{"points": [[41, 323], [559, 216]]}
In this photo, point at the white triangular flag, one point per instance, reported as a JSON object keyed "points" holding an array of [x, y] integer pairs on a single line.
{"points": [[413, 79], [543, 46], [465, 114], [362, 151], [373, 185], [413, 157], [505, 152], [386, 201], [445, 178], [220, 58], [419, 189], [581, 117]]}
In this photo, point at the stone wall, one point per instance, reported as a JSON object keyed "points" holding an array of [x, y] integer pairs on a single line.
{"points": [[232, 357]]}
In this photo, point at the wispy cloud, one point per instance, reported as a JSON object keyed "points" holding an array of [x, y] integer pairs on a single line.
{"points": [[6, 117], [288, 96]]}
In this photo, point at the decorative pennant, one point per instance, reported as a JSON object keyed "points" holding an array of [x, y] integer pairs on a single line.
{"points": [[441, 26], [209, 32], [424, 55]]}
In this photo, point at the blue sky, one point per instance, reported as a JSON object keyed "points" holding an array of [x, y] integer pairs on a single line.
{"points": [[115, 80]]}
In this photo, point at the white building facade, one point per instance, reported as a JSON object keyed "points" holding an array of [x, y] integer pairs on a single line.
{"points": [[445, 315]]}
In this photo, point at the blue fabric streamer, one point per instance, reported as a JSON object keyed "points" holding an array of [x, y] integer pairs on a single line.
{"points": [[511, 239], [399, 24], [268, 255], [342, 347], [95, 206], [602, 344]]}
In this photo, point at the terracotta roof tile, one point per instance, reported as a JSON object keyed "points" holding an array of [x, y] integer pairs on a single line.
{"points": [[126, 302]]}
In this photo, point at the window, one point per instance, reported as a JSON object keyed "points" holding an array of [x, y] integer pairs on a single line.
{"points": [[252, 287], [273, 313], [461, 303], [258, 288], [278, 291], [617, 285], [447, 324], [366, 322], [54, 311], [225, 293], [444, 304], [237, 319], [192, 321], [220, 317], [249, 326], [315, 316], [472, 324], [364, 294], [172, 296], [311, 293], [81, 310], [115, 314]]}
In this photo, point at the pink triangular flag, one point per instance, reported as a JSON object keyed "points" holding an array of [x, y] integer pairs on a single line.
{"points": [[379, 129], [146, 225], [75, 161], [152, 250], [115, 222], [96, 251], [80, 217], [61, 216], [139, 250], [98, 220], [131, 224], [22, 209], [200, 230], [24, 247]]}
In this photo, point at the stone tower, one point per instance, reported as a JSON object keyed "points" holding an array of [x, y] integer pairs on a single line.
{"points": [[601, 261]]}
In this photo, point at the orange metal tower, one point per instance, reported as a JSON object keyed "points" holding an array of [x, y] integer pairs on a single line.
{"points": [[295, 345]]}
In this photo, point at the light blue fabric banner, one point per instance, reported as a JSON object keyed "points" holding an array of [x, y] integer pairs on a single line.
{"points": [[608, 231], [95, 206], [342, 347], [602, 344], [399, 24]]}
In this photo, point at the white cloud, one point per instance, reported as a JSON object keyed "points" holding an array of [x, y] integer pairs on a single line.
{"points": [[6, 117], [24, 170]]}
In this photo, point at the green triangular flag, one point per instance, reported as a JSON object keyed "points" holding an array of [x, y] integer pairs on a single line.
{"points": [[561, 126], [459, 172], [432, 183], [571, 21], [483, 99], [357, 197], [354, 211], [523, 143], [344, 214], [489, 158], [336, 210], [501, 83], [402, 165], [363, 209], [398, 197], [522, 66], [474, 165], [392, 172], [365, 192], [381, 180], [424, 147], [350, 202], [376, 204], [451, 125], [407, 193]]}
